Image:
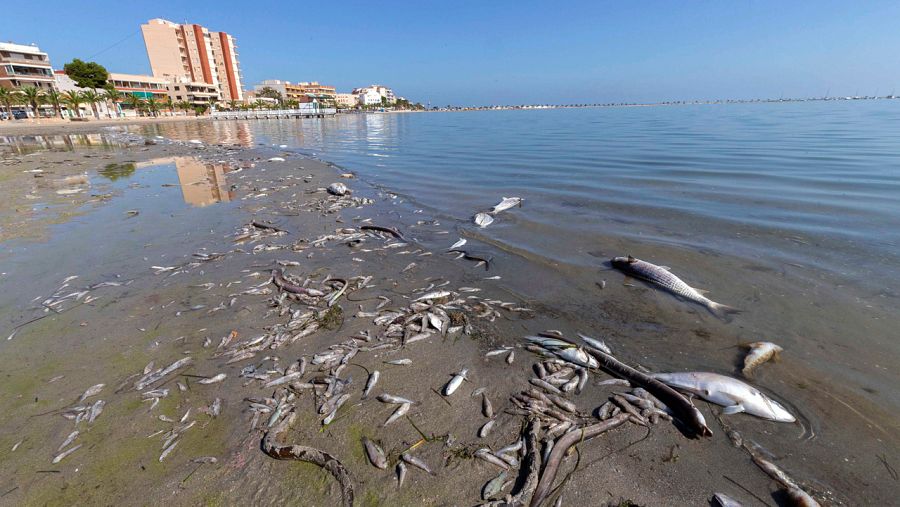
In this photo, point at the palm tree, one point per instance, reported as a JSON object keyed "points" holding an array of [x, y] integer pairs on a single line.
{"points": [[291, 104], [183, 105], [152, 106], [33, 96], [135, 103], [92, 97], [232, 105], [170, 105], [73, 100], [8, 98], [111, 96], [54, 98]]}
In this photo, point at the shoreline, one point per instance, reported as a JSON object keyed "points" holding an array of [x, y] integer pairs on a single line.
{"points": [[679, 483]]}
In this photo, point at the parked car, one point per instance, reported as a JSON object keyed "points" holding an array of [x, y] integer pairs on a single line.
{"points": [[3, 116], [20, 115]]}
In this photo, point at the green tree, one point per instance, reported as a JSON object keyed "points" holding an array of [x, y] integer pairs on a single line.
{"points": [[8, 98], [152, 105], [269, 93], [135, 102], [200, 109], [73, 101], [170, 105], [91, 97], [33, 96], [232, 105], [87, 74], [183, 105], [111, 96], [54, 98]]}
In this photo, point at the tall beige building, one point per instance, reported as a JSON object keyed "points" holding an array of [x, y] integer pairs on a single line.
{"points": [[194, 53]]}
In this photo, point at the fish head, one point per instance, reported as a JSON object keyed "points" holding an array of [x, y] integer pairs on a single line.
{"points": [[779, 413], [622, 262]]}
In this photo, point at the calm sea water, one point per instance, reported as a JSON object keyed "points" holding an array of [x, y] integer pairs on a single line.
{"points": [[790, 212]]}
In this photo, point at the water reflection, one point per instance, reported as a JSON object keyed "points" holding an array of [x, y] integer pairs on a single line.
{"points": [[22, 145], [114, 171], [212, 132], [201, 183]]}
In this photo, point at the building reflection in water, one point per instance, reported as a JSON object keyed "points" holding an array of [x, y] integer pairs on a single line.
{"points": [[201, 183]]}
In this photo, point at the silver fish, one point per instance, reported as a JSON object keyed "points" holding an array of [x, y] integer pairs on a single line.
{"points": [[399, 362], [401, 473], [455, 382], [483, 220], [69, 439], [373, 379], [416, 462], [493, 486], [486, 408], [337, 404], [212, 380], [91, 391], [507, 203], [724, 500], [395, 400], [577, 356], [660, 276], [731, 393], [486, 455], [279, 381], [400, 412], [59, 457], [458, 244], [597, 344], [760, 352], [96, 410], [435, 295], [486, 429], [375, 454]]}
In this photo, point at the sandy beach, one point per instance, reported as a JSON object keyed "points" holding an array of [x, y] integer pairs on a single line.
{"points": [[179, 249]]}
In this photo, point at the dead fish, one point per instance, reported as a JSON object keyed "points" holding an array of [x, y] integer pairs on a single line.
{"points": [[205, 459], [212, 380], [578, 356], [458, 244], [595, 343], [401, 473], [614, 382], [71, 438], [486, 428], [483, 220], [486, 408], [435, 295], [400, 362], [91, 391], [731, 393], [416, 462], [338, 189], [486, 455], [168, 450], [337, 405], [373, 379], [375, 454], [455, 382], [96, 410], [59, 457], [724, 500], [391, 399], [660, 276], [507, 203], [400, 412], [760, 352], [282, 380], [493, 487]]}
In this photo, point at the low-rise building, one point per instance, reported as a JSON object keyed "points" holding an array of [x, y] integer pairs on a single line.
{"points": [[196, 93], [382, 91], [140, 86], [345, 100], [65, 84], [22, 65], [297, 91], [369, 97]]}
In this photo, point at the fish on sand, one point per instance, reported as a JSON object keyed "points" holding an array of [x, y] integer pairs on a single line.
{"points": [[659, 275], [731, 393]]}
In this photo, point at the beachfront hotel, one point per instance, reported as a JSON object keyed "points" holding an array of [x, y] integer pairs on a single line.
{"points": [[22, 65], [194, 53], [301, 92]]}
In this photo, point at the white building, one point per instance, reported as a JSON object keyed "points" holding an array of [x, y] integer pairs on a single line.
{"points": [[382, 91], [369, 97]]}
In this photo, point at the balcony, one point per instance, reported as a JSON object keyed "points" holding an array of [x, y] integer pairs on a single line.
{"points": [[14, 60]]}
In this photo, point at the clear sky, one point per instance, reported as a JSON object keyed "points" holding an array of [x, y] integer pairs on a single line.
{"points": [[508, 52]]}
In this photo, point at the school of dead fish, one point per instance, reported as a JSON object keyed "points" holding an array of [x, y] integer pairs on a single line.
{"points": [[563, 371]]}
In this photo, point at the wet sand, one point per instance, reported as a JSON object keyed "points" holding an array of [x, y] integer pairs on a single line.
{"points": [[163, 315]]}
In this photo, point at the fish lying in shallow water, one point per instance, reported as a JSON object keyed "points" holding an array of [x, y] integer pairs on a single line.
{"points": [[661, 276], [507, 203], [760, 352], [731, 393], [483, 219]]}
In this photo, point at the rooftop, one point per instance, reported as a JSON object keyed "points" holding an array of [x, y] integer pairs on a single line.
{"points": [[21, 48]]}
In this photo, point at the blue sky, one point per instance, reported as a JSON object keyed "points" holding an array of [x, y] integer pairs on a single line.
{"points": [[505, 52]]}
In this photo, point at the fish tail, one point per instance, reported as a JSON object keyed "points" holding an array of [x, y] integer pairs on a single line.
{"points": [[722, 311]]}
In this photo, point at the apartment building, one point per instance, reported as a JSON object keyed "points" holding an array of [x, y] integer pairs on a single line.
{"points": [[380, 90], [140, 85], [22, 65], [194, 92], [193, 52], [345, 100], [301, 92]]}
